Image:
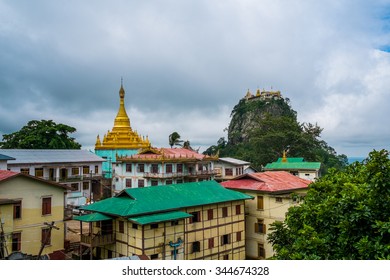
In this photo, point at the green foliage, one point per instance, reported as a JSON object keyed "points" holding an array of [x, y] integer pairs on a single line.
{"points": [[261, 130], [44, 134], [174, 139], [345, 215]]}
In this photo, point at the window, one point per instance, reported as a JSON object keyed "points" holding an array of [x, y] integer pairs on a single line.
{"points": [[154, 183], [179, 168], [154, 257], [278, 199], [141, 167], [211, 242], [141, 183], [225, 239], [195, 217], [168, 182], [174, 223], [128, 167], [25, 171], [261, 251], [96, 169], [238, 236], [154, 168], [46, 236], [224, 212], [46, 205], [85, 169], [168, 168], [260, 203], [260, 227], [238, 209], [228, 171], [74, 187], [18, 210], [210, 214], [85, 185], [75, 171], [226, 257], [16, 241], [196, 246], [38, 172], [134, 226], [154, 226], [179, 181], [128, 183], [121, 227]]}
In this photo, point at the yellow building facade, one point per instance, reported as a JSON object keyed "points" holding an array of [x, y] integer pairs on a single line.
{"points": [[273, 192], [189, 221], [36, 204]]}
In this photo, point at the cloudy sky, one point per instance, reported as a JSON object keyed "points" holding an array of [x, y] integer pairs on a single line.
{"points": [[185, 64]]}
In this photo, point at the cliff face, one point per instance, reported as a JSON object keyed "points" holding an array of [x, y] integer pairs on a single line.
{"points": [[248, 114]]}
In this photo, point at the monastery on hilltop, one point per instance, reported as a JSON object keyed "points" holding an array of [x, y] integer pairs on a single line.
{"points": [[121, 141], [263, 95]]}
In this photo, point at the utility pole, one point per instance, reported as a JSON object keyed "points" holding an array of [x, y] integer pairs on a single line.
{"points": [[48, 235]]}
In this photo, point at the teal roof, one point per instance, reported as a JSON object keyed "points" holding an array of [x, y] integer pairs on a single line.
{"points": [[94, 217], [293, 164], [151, 200], [291, 159], [160, 217]]}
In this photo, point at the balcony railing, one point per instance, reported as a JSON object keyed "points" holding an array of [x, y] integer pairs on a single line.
{"points": [[97, 240], [178, 174], [73, 178]]}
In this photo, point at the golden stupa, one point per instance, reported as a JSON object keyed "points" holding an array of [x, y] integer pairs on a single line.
{"points": [[122, 136]]}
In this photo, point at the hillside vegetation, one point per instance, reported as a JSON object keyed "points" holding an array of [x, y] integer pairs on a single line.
{"points": [[261, 129]]}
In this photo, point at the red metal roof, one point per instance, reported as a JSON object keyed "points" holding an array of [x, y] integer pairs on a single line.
{"points": [[5, 174], [269, 181], [170, 153]]}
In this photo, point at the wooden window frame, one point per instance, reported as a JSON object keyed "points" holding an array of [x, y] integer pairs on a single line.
{"points": [[18, 210], [141, 167], [16, 246], [46, 205], [195, 246], [129, 167], [238, 209], [211, 243], [196, 217], [141, 183], [210, 214], [128, 183], [168, 168], [228, 171], [121, 226], [260, 227], [225, 239], [225, 212], [260, 202]]}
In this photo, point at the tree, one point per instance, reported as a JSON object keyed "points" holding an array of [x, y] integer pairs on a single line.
{"points": [[44, 134], [345, 215], [174, 139]]}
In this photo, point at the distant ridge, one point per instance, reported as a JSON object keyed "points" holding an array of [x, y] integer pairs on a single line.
{"points": [[354, 159]]}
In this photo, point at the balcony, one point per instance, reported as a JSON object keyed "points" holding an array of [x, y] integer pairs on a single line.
{"points": [[73, 178], [157, 175], [97, 240]]}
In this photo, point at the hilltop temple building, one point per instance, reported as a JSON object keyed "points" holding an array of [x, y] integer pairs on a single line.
{"points": [[121, 140]]}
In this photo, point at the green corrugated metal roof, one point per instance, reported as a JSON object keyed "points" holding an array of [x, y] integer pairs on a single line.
{"points": [[161, 217], [291, 159], [292, 165], [94, 217], [141, 201]]}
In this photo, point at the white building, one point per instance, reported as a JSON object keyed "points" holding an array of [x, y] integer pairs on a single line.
{"points": [[78, 169], [227, 168]]}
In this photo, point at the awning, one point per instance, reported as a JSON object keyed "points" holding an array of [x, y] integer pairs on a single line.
{"points": [[160, 217], [94, 217]]}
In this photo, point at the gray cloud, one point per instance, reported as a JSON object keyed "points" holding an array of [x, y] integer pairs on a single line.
{"points": [[185, 65]]}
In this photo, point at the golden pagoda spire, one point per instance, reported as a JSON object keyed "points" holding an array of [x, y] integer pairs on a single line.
{"points": [[98, 143], [122, 136], [122, 121]]}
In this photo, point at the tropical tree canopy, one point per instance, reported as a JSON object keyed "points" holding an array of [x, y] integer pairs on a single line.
{"points": [[174, 139], [44, 134], [345, 215]]}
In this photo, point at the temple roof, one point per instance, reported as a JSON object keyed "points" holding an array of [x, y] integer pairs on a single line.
{"points": [[122, 136]]}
